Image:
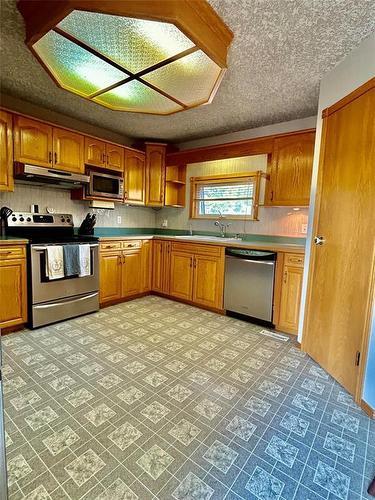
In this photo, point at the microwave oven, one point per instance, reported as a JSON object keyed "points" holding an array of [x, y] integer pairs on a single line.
{"points": [[103, 185]]}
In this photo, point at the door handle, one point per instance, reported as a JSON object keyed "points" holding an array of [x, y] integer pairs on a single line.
{"points": [[50, 157], [319, 240], [123, 259]]}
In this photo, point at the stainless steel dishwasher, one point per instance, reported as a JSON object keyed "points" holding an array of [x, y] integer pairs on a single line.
{"points": [[249, 282]]}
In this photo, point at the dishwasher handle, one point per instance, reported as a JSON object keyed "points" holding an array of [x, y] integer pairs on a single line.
{"points": [[266, 262]]}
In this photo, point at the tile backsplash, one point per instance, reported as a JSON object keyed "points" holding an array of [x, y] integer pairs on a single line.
{"points": [[59, 199]]}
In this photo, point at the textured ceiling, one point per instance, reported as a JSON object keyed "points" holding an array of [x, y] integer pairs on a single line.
{"points": [[280, 51]]}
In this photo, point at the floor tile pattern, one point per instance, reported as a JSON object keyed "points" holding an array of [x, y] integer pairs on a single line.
{"points": [[154, 399]]}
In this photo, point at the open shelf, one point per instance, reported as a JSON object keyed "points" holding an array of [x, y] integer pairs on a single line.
{"points": [[175, 186]]}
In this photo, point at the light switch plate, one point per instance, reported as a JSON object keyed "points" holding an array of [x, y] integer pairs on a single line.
{"points": [[304, 228], [119, 219]]}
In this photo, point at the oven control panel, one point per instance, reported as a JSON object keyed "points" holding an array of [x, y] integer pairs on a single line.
{"points": [[17, 219]]}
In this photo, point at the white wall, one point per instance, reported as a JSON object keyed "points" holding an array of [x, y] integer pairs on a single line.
{"points": [[59, 199], [356, 69], [281, 221], [276, 128]]}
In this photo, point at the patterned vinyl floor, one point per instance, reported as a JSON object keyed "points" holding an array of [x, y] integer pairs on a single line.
{"points": [[153, 399]]}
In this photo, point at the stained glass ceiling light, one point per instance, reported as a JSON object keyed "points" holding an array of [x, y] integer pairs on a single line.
{"points": [[150, 56]]}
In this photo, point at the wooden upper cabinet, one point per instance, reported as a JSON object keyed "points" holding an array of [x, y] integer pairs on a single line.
{"points": [[68, 151], [32, 142], [95, 152], [291, 169], [134, 177], [6, 152], [155, 174], [114, 157]]}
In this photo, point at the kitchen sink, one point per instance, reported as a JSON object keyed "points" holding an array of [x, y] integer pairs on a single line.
{"points": [[207, 238]]}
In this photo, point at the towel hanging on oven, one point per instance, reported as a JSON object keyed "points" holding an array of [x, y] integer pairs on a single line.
{"points": [[84, 260], [54, 262], [71, 260]]}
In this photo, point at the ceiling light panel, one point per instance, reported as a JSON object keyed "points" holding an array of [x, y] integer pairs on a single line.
{"points": [[75, 68], [135, 96], [135, 44], [190, 79]]}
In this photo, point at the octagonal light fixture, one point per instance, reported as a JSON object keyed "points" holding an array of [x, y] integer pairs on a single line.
{"points": [[144, 56]]}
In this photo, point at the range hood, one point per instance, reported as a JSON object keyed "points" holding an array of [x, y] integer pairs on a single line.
{"points": [[42, 175]]}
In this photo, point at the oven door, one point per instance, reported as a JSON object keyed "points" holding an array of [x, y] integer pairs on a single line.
{"points": [[45, 290], [105, 186]]}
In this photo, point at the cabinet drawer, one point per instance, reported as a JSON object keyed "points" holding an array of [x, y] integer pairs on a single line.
{"points": [[197, 249], [110, 246], [294, 259], [12, 252], [129, 244]]}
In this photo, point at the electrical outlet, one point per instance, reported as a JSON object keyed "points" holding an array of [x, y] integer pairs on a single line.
{"points": [[164, 223], [119, 219], [304, 229]]}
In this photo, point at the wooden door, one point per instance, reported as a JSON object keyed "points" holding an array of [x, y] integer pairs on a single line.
{"points": [[181, 277], [134, 177], [95, 152], [291, 170], [339, 289], [110, 276], [290, 299], [146, 268], [32, 142], [13, 293], [6, 152], [208, 281], [155, 174], [68, 151], [131, 273], [114, 157], [157, 266]]}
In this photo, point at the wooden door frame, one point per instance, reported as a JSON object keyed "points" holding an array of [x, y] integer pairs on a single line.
{"points": [[318, 198]]}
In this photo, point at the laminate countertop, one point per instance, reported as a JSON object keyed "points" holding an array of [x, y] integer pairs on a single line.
{"points": [[226, 242]]}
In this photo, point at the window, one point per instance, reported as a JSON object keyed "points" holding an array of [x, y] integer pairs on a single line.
{"points": [[234, 196]]}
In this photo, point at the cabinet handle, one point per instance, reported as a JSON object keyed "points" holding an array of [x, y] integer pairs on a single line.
{"points": [[271, 195], [55, 157], [110, 246], [191, 261], [285, 276], [5, 252], [123, 259], [50, 157], [119, 260]]}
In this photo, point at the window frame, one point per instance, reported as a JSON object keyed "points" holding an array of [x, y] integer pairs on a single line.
{"points": [[232, 178]]}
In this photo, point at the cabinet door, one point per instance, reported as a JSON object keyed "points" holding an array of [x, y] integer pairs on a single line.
{"points": [[290, 299], [131, 273], [68, 151], [146, 266], [155, 174], [157, 266], [110, 276], [13, 294], [6, 152], [114, 157], [32, 142], [208, 281], [291, 170], [134, 177], [95, 152], [181, 280], [166, 278]]}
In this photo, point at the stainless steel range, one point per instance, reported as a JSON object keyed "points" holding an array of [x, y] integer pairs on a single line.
{"points": [[54, 299]]}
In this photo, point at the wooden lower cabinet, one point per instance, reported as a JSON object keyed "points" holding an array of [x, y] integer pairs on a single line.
{"points": [[198, 278], [181, 280], [146, 266], [161, 266], [110, 276], [13, 289], [121, 271], [290, 297]]}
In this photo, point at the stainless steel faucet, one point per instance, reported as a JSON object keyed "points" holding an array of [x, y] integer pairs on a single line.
{"points": [[222, 226]]}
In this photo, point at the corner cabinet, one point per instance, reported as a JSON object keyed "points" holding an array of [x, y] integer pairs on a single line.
{"points": [[13, 289], [290, 297], [290, 170], [6, 152], [155, 174], [134, 177], [197, 274]]}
